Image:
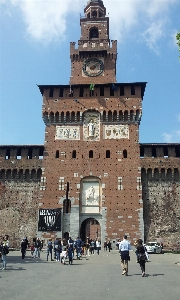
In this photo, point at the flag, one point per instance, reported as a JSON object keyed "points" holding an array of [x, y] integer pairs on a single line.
{"points": [[92, 87]]}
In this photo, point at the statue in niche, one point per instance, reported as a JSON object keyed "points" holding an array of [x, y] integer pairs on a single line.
{"points": [[91, 128], [91, 195]]}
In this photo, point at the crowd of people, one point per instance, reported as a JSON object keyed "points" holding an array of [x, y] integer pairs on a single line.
{"points": [[63, 250]]}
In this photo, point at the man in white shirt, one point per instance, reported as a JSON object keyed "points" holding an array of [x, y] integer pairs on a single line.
{"points": [[124, 248]]}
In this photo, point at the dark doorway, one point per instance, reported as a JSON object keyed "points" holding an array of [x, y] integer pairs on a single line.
{"points": [[90, 228]]}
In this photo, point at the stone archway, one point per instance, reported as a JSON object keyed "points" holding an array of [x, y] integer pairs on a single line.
{"points": [[90, 228]]}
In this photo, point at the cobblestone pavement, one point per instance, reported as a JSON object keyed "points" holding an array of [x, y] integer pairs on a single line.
{"points": [[98, 277]]}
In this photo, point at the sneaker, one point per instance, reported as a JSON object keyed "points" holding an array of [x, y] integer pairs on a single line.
{"points": [[143, 274]]}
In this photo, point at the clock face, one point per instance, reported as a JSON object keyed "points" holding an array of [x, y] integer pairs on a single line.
{"points": [[93, 67]]}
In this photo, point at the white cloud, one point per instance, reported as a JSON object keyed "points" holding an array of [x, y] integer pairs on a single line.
{"points": [[167, 137], [174, 136], [46, 20]]}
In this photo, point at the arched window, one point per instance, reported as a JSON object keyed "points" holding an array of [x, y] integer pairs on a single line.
{"points": [[124, 153], [2, 174], [109, 116], [21, 177], [14, 174], [163, 174], [67, 117], [176, 174], [27, 175], [8, 174], [51, 117], [73, 116], [39, 173], [115, 116], [156, 174], [169, 174], [90, 154], [126, 115], [93, 33], [104, 116], [149, 174], [62, 117], [120, 115], [131, 115], [57, 117]]}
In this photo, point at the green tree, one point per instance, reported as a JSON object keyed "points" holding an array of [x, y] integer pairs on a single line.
{"points": [[178, 40]]}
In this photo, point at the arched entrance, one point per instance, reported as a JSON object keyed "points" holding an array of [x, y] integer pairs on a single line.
{"points": [[90, 228]]}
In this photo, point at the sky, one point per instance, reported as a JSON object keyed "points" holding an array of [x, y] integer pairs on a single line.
{"points": [[35, 38]]}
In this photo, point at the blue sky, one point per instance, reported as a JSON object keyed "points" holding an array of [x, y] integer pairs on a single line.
{"points": [[34, 49]]}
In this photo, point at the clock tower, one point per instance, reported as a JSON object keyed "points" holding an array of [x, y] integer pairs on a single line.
{"points": [[94, 61], [91, 171]]}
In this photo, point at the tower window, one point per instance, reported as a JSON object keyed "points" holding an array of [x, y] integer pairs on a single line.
{"points": [[132, 90], [90, 154], [124, 153], [51, 92], [93, 34], [102, 91], [107, 153], [121, 90], [74, 154], [57, 154]]}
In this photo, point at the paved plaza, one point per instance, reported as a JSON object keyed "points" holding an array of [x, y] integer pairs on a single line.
{"points": [[98, 277]]}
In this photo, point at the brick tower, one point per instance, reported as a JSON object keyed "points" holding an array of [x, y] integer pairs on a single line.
{"points": [[91, 174]]}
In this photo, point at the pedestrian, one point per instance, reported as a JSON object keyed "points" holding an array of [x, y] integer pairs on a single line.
{"points": [[109, 246], [87, 246], [32, 249], [58, 249], [23, 248], [70, 254], [92, 247], [4, 249], [141, 256], [124, 248], [78, 246], [105, 245], [49, 249], [97, 245], [37, 248]]}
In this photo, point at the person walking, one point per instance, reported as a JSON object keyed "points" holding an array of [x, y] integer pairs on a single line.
{"points": [[37, 248], [124, 248], [92, 247], [97, 246], [4, 249], [49, 249], [23, 248], [109, 246], [141, 256], [105, 245], [87, 246]]}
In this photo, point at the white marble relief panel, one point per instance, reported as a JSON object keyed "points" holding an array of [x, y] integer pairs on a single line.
{"points": [[67, 133], [91, 126], [90, 197], [116, 132]]}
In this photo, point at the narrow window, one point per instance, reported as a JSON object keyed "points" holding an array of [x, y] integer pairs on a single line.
{"points": [[124, 153], [101, 91], [132, 90], [57, 154], [74, 154], [61, 92], [51, 92], [81, 92], [122, 90], [107, 153], [90, 154]]}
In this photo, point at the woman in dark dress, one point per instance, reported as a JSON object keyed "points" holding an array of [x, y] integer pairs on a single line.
{"points": [[141, 256]]}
